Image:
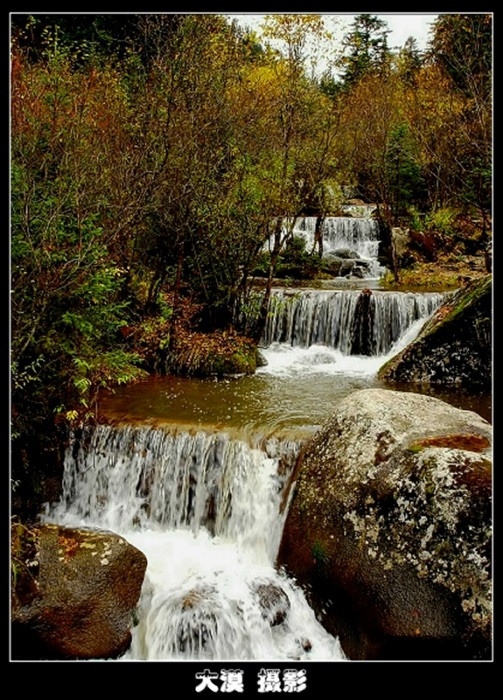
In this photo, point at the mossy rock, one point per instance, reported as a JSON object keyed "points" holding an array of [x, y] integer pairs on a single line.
{"points": [[74, 592], [221, 353], [389, 528], [454, 346], [240, 362]]}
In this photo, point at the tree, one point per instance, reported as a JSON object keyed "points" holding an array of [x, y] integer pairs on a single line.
{"points": [[97, 36], [409, 61], [195, 213], [66, 281], [303, 134], [366, 49], [462, 45], [402, 172], [462, 48], [433, 112]]}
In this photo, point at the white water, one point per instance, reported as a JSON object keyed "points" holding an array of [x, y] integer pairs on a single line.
{"points": [[205, 510], [310, 319], [285, 360], [359, 234]]}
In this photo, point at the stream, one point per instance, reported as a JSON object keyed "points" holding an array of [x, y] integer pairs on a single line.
{"points": [[193, 473]]}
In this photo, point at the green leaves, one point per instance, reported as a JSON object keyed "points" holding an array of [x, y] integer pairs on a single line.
{"points": [[104, 371], [30, 374]]}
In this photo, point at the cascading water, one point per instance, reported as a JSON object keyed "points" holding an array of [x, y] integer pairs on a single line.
{"points": [[358, 236], [341, 331], [337, 318], [205, 510]]}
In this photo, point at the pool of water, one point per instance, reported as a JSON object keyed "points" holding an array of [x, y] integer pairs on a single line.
{"points": [[291, 397]]}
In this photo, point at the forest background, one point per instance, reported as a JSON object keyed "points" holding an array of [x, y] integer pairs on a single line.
{"points": [[153, 157]]}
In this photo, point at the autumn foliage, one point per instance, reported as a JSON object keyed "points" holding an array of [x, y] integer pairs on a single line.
{"points": [[153, 156]]}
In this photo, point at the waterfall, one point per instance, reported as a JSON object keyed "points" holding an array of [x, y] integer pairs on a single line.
{"points": [[148, 478], [360, 234], [353, 238], [206, 511], [352, 322]]}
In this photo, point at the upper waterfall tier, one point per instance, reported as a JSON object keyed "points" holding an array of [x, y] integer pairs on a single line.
{"points": [[360, 234], [354, 322], [354, 239]]}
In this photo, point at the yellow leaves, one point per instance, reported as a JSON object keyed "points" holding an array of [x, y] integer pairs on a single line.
{"points": [[293, 28], [260, 86], [433, 93]]}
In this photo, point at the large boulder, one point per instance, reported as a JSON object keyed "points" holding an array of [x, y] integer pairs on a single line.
{"points": [[74, 592], [454, 347], [389, 528]]}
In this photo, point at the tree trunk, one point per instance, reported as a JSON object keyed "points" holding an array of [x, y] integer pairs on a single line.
{"points": [[176, 296], [259, 325], [318, 236]]}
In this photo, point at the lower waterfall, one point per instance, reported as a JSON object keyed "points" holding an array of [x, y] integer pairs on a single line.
{"points": [[206, 511]]}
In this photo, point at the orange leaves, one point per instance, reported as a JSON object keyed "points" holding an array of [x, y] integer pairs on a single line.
{"points": [[443, 312], [67, 547]]}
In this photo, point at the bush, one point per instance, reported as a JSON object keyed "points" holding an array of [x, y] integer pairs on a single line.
{"points": [[443, 221]]}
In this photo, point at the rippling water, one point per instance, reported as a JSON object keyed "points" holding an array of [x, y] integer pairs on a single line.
{"points": [[292, 396], [302, 383]]}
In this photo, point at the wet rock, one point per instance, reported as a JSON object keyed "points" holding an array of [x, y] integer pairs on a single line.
{"points": [[180, 624], [195, 622], [400, 241], [346, 268], [347, 253], [305, 644], [389, 528], [274, 602], [74, 592], [362, 329], [261, 360], [358, 272], [454, 346], [331, 264]]}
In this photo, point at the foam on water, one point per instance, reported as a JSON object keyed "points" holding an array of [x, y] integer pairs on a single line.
{"points": [[205, 510]]}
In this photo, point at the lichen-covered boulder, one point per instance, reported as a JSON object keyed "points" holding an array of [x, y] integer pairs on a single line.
{"points": [[74, 592], [389, 528], [454, 347]]}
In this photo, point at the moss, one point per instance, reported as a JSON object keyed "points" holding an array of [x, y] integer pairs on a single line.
{"points": [[240, 362], [460, 303], [454, 346], [420, 277], [320, 555]]}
